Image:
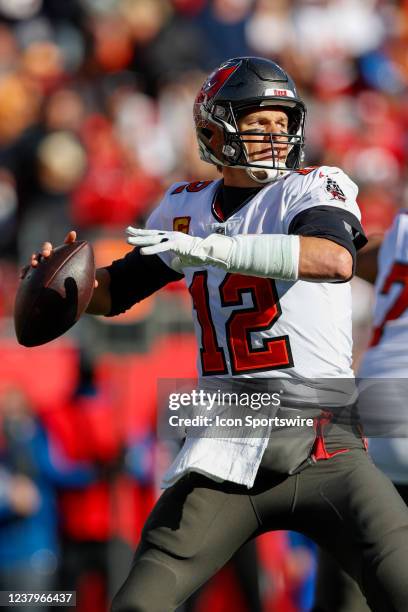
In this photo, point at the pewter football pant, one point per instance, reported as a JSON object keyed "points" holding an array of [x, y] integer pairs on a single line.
{"points": [[345, 504], [335, 590]]}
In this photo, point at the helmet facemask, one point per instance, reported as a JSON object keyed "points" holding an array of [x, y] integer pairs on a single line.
{"points": [[231, 148]]}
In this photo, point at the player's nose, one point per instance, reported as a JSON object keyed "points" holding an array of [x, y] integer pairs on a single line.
{"points": [[278, 134]]}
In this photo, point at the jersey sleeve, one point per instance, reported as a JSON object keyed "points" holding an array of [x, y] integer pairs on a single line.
{"points": [[324, 186]]}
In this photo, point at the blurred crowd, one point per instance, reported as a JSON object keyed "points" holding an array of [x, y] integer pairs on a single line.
{"points": [[95, 123]]}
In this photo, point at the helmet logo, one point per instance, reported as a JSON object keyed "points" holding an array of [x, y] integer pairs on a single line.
{"points": [[214, 82]]}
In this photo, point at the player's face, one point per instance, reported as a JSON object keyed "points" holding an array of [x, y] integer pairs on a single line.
{"points": [[266, 121]]}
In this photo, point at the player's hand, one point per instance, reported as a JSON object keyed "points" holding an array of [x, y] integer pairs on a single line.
{"points": [[159, 241], [189, 250], [153, 242], [46, 251]]}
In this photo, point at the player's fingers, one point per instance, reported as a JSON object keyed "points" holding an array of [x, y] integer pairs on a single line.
{"points": [[35, 259], [70, 237], [145, 241], [24, 271], [46, 249], [134, 231], [157, 248], [96, 283]]}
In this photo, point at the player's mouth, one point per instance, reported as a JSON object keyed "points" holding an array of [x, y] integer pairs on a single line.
{"points": [[279, 154]]}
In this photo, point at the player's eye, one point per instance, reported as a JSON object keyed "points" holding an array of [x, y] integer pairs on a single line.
{"points": [[251, 130]]}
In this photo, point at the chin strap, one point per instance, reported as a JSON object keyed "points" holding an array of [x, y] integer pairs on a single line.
{"points": [[266, 175], [266, 255]]}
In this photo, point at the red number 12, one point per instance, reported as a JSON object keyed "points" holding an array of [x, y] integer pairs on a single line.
{"points": [[262, 315]]}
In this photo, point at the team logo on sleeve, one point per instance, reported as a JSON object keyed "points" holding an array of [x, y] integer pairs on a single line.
{"points": [[181, 224], [334, 190]]}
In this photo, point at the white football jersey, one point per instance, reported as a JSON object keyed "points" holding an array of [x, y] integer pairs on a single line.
{"points": [[258, 327], [387, 355]]}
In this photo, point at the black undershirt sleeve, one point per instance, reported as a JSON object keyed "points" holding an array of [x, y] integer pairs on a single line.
{"points": [[135, 277], [335, 224]]}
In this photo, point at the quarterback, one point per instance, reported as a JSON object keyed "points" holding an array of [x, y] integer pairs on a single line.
{"points": [[266, 252]]}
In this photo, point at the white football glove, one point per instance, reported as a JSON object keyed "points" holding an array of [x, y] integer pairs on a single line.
{"points": [[266, 255], [190, 250]]}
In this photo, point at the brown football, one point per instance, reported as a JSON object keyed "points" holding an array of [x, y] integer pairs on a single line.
{"points": [[52, 296]]}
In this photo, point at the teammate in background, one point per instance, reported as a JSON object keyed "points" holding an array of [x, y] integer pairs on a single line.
{"points": [[267, 252], [384, 261]]}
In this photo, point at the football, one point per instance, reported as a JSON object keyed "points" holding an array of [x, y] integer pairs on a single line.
{"points": [[52, 296]]}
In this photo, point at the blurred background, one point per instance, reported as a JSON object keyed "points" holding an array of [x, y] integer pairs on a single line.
{"points": [[95, 124]]}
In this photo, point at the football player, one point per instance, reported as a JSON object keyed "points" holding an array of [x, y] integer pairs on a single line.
{"points": [[266, 252], [385, 263]]}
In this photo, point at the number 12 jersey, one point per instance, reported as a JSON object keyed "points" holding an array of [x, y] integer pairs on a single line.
{"points": [[259, 327]]}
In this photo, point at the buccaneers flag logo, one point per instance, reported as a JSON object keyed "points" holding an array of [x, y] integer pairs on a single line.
{"points": [[334, 189]]}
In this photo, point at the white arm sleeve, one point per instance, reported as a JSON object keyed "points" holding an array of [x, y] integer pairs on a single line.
{"points": [[266, 255]]}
